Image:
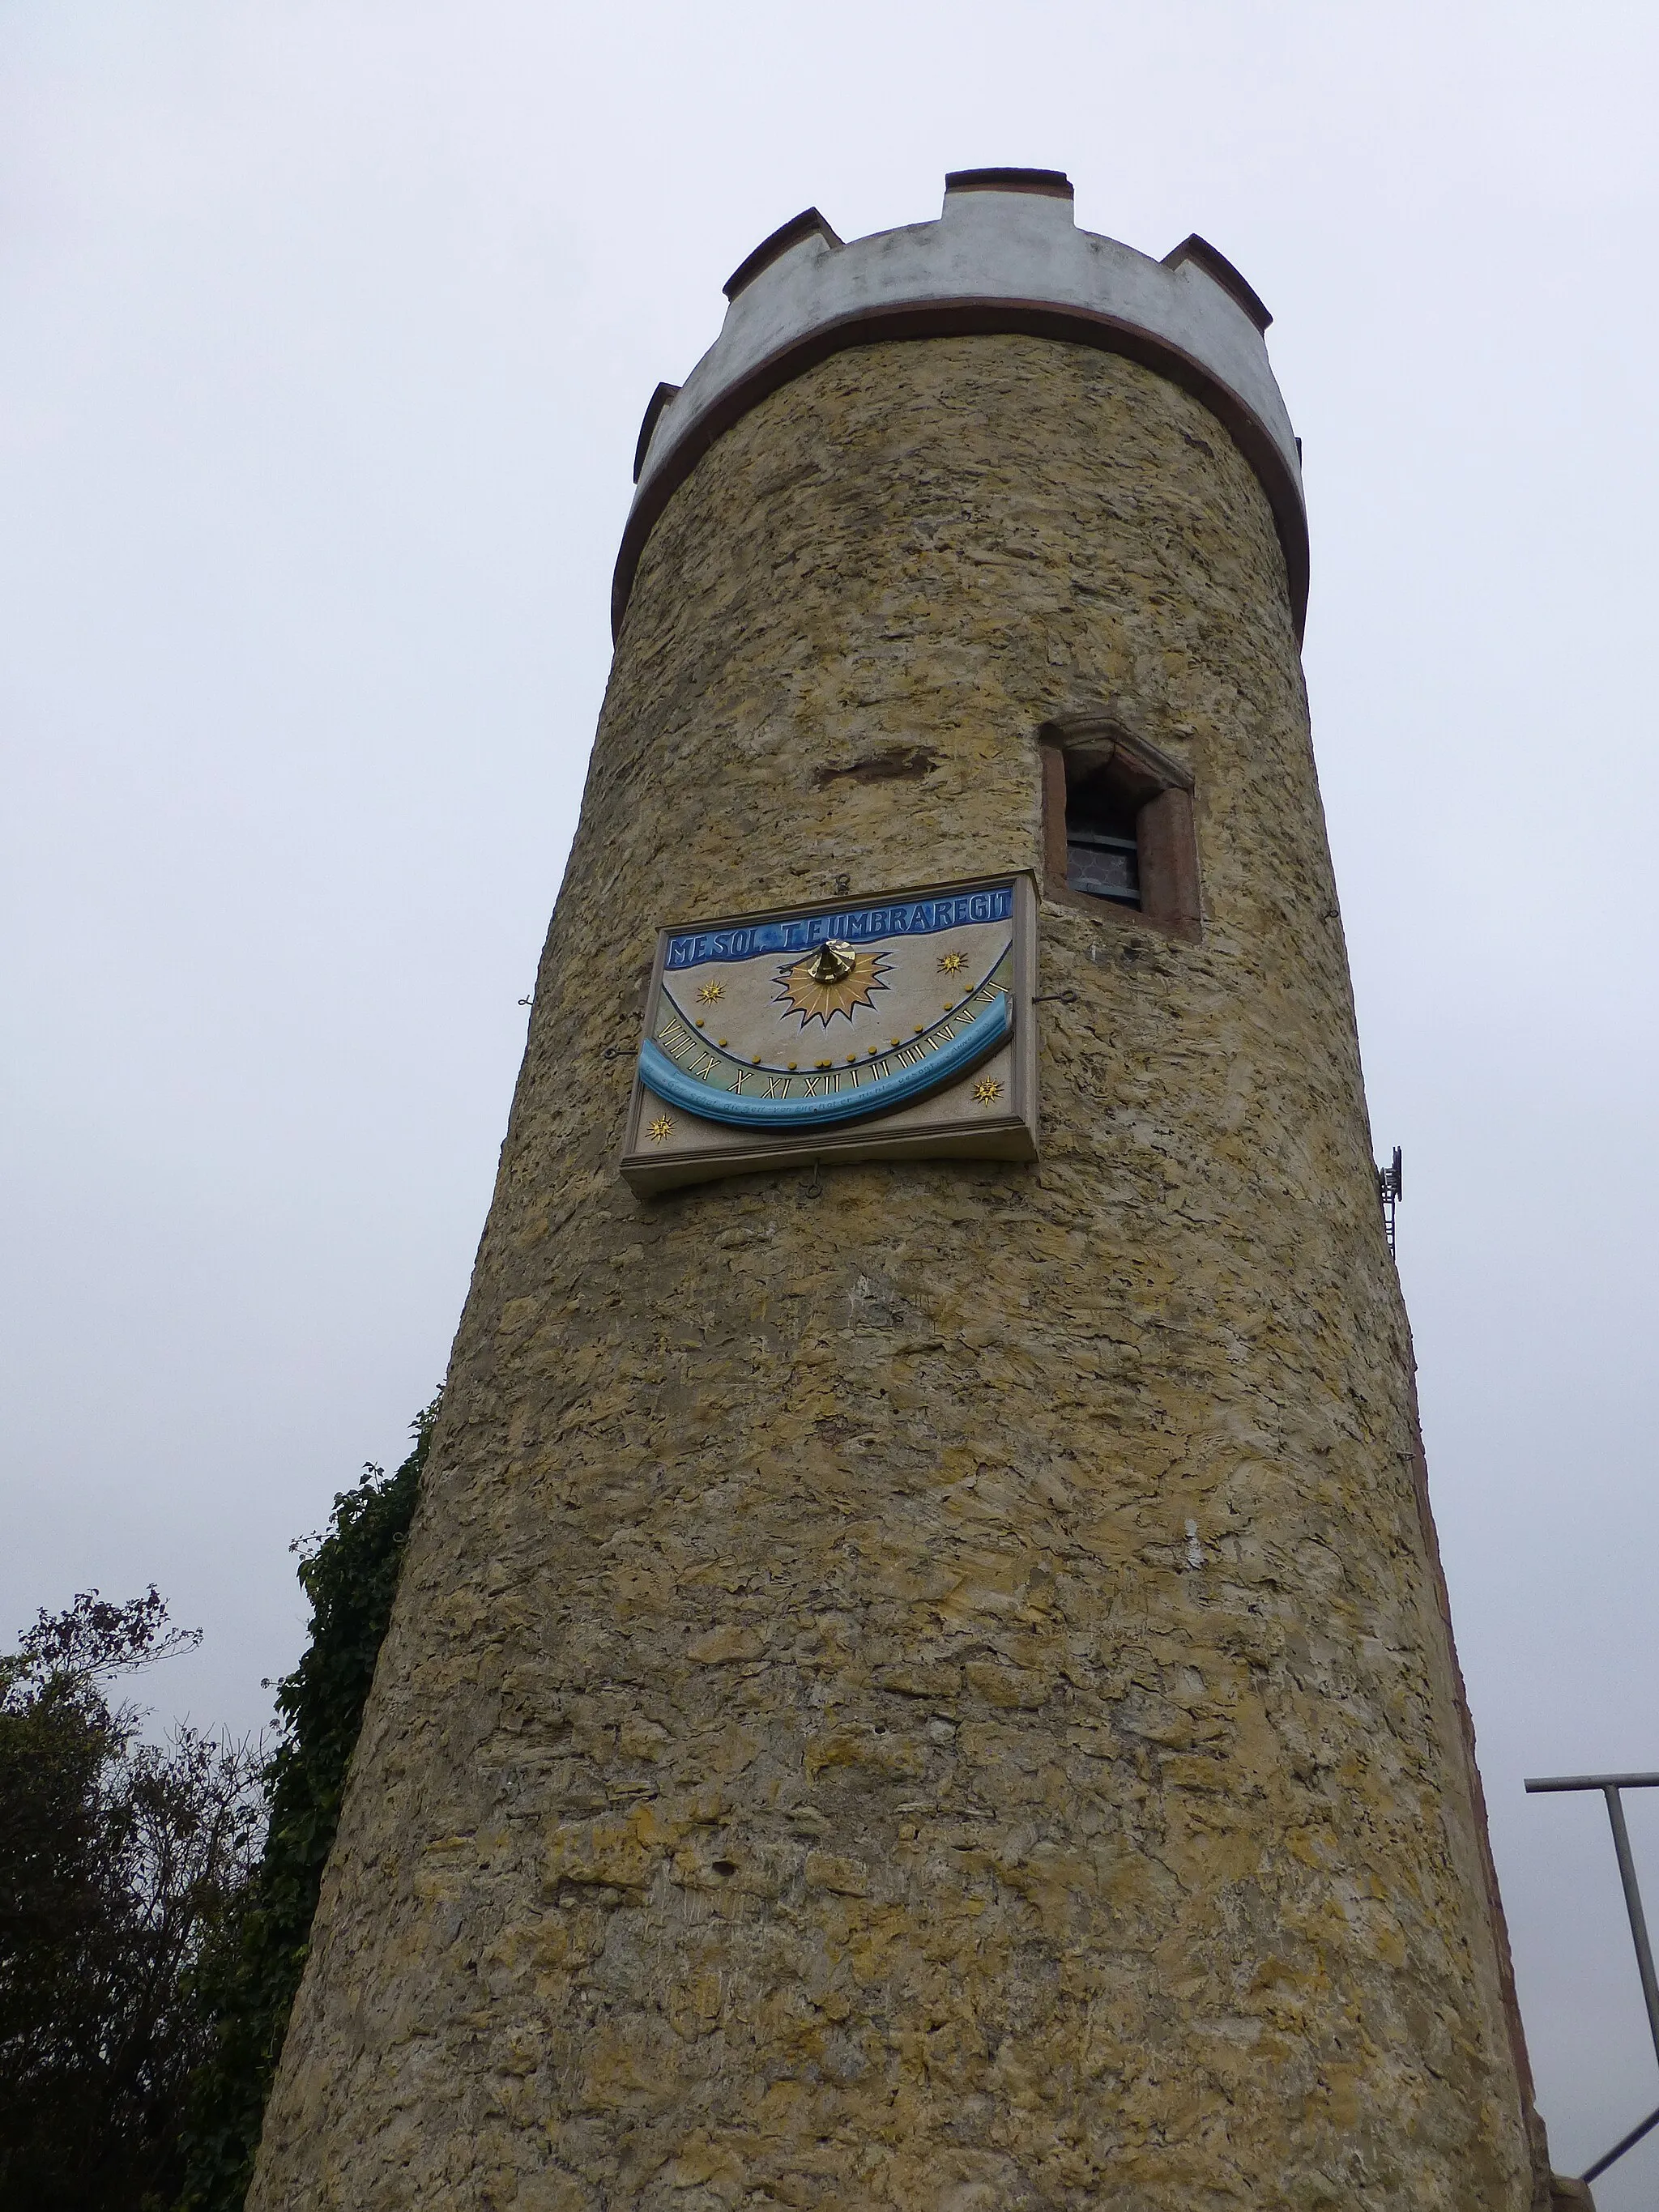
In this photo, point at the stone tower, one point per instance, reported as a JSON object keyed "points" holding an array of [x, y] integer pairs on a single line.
{"points": [[921, 1678]]}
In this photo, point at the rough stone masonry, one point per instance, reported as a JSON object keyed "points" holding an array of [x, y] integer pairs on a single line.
{"points": [[927, 1686]]}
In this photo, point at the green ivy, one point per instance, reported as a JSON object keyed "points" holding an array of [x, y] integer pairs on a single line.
{"points": [[247, 1984]]}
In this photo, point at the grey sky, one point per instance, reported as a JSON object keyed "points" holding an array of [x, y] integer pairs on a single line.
{"points": [[325, 328]]}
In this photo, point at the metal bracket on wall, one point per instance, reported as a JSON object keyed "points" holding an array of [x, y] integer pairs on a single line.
{"points": [[1610, 1785], [1391, 1188]]}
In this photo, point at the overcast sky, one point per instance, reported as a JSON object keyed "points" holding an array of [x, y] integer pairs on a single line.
{"points": [[325, 327]]}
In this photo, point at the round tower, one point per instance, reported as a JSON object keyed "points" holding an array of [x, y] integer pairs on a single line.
{"points": [[921, 1678]]}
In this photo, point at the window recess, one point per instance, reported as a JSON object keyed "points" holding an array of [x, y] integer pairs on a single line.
{"points": [[1118, 834], [1103, 847]]}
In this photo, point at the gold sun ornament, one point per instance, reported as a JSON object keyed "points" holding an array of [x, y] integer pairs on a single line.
{"points": [[710, 992], [953, 964], [832, 981], [988, 1092], [661, 1129]]}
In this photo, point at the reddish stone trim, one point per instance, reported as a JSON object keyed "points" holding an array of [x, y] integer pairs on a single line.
{"points": [[1168, 864], [809, 223], [1217, 266], [1053, 184], [1170, 900], [977, 318], [1052, 761]]}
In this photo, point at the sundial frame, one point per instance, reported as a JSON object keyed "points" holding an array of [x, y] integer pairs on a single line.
{"points": [[830, 990]]}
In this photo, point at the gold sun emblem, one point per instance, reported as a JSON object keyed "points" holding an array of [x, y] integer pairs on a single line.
{"points": [[987, 1093], [834, 981], [953, 964], [710, 992], [661, 1129]]}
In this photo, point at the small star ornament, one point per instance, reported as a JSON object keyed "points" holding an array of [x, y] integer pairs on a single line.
{"points": [[988, 1092]]}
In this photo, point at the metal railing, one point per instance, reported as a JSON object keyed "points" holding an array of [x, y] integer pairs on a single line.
{"points": [[1610, 1785]]}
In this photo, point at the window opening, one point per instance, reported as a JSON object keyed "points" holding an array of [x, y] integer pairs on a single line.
{"points": [[1118, 832], [1103, 843]]}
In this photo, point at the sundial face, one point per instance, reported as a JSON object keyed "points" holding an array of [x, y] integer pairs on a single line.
{"points": [[886, 1027]]}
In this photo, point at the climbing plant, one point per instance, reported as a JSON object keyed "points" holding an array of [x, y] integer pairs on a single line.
{"points": [[247, 1981]]}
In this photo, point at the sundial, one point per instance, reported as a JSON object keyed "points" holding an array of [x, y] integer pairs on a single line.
{"points": [[891, 1027]]}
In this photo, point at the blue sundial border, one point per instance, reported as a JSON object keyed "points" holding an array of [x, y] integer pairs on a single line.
{"points": [[743, 1111]]}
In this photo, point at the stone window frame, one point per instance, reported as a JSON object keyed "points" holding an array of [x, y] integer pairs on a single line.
{"points": [[1160, 792]]}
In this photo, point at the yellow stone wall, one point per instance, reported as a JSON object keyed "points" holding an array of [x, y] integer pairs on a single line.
{"points": [[930, 1692]]}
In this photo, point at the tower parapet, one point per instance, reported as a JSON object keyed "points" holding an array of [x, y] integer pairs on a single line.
{"points": [[1004, 255]]}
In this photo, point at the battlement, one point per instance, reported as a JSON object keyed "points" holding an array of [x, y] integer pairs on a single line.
{"points": [[1005, 254]]}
